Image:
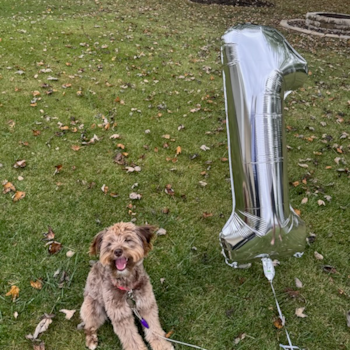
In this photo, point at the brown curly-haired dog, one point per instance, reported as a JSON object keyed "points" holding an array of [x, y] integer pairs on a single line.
{"points": [[117, 284]]}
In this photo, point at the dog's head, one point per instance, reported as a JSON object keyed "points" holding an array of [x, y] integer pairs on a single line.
{"points": [[122, 246]]}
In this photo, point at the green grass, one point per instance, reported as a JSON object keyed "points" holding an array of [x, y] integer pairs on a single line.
{"points": [[163, 60]]}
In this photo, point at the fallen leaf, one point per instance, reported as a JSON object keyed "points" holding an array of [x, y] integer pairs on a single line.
{"points": [[178, 150], [36, 132], [104, 189], [75, 148], [321, 202], [278, 323], [318, 256], [169, 334], [120, 145], [300, 312], [69, 313], [207, 215], [167, 136], [329, 269], [168, 190], [69, 254], [54, 247], [119, 159], [8, 187], [20, 164], [303, 165], [42, 326], [135, 195], [297, 211], [114, 195], [15, 315], [37, 284], [115, 136], [204, 148], [49, 235], [13, 292], [40, 346], [18, 196], [239, 338], [304, 200], [298, 283], [161, 232], [58, 169]]}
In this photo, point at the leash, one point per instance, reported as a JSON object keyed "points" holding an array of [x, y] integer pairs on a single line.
{"points": [[132, 304], [269, 271]]}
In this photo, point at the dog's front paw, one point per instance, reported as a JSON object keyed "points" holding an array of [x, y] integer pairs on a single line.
{"points": [[91, 340]]}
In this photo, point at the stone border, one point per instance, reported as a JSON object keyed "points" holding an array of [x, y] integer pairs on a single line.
{"points": [[284, 23]]}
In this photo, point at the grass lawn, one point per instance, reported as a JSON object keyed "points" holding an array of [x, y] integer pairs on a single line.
{"points": [[74, 75]]}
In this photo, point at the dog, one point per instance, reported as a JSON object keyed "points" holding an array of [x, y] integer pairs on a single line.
{"points": [[118, 286]]}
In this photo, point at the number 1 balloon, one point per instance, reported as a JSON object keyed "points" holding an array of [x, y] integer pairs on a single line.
{"points": [[260, 69]]}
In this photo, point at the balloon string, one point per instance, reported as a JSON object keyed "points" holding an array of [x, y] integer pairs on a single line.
{"points": [[290, 346]]}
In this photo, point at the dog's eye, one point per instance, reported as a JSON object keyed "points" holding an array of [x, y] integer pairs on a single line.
{"points": [[128, 240], [109, 244]]}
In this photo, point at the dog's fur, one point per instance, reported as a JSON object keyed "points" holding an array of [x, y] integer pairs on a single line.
{"points": [[122, 248]]}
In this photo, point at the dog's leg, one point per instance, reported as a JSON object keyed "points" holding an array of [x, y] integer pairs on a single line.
{"points": [[93, 316], [128, 334], [151, 317]]}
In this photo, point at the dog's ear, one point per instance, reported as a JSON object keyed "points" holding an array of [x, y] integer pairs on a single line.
{"points": [[146, 234], [96, 243]]}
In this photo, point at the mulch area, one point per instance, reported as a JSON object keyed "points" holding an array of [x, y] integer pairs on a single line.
{"points": [[255, 3]]}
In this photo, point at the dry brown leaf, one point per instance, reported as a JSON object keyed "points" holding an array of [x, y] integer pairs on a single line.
{"points": [[178, 150], [104, 189], [37, 284], [54, 247], [300, 312], [161, 232], [70, 253], [297, 211], [69, 313], [75, 148], [36, 132], [167, 136], [20, 164], [58, 169], [42, 326], [304, 200], [49, 235], [13, 292], [321, 202], [120, 145], [207, 215], [8, 187], [18, 196], [168, 190], [278, 323]]}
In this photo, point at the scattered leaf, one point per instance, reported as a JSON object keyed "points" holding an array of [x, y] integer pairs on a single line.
{"points": [[300, 312], [304, 200], [329, 269], [203, 183], [42, 326], [239, 338], [40, 346], [69, 313], [18, 196], [178, 150], [104, 189], [161, 232], [13, 292], [135, 195], [75, 147], [115, 136], [207, 215], [168, 190], [37, 284], [49, 235], [204, 148], [20, 164], [298, 283], [54, 247], [278, 323], [69, 254], [318, 256], [58, 169], [8, 187], [321, 202]]}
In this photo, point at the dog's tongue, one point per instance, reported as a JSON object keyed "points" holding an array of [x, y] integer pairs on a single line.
{"points": [[120, 263]]}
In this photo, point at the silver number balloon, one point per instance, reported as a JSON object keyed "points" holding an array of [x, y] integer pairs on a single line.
{"points": [[260, 69]]}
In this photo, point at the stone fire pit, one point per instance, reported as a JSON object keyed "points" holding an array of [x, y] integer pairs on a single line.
{"points": [[335, 25]]}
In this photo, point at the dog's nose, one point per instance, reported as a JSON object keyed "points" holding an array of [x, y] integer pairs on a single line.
{"points": [[118, 252]]}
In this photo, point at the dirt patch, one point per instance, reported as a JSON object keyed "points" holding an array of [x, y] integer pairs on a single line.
{"points": [[255, 3]]}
